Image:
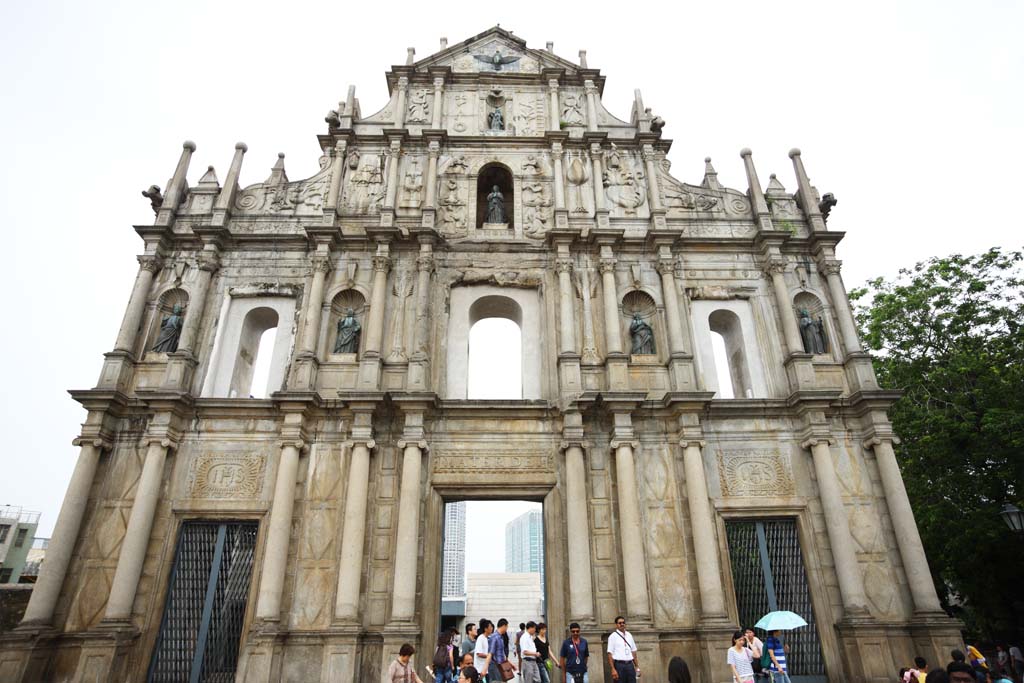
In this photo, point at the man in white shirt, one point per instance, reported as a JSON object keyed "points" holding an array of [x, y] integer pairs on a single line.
{"points": [[529, 671], [622, 654], [481, 653]]}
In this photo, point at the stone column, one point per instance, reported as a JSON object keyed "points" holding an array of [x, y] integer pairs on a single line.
{"points": [[806, 193], [433, 152], [915, 563], [403, 86], [136, 538], [333, 202], [595, 158], [149, 264], [209, 262], [581, 593], [314, 305], [851, 581], [178, 186], [847, 325], [631, 532], [676, 340], [435, 122], [653, 194], [757, 201], [394, 158], [378, 297], [226, 199], [591, 91], [553, 113], [346, 605], [702, 521], [566, 306], [556, 157], [403, 604], [775, 266], [65, 534], [589, 340], [612, 333], [279, 530], [419, 360]]}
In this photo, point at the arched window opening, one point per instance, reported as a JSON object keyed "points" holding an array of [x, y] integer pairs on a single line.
{"points": [[495, 360], [493, 176], [726, 324], [256, 342], [495, 368], [722, 366]]}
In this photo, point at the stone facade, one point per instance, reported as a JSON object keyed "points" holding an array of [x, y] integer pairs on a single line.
{"points": [[346, 467]]}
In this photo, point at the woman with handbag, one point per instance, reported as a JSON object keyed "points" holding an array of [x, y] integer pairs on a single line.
{"points": [[739, 659], [401, 670]]}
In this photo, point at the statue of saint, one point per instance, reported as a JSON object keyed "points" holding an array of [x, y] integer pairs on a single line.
{"points": [[812, 333], [643, 336], [496, 119], [170, 331], [496, 207], [348, 333]]}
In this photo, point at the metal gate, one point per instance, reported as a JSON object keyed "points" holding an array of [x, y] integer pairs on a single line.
{"points": [[768, 575], [202, 623]]}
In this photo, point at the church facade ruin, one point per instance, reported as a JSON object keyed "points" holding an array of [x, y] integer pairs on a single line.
{"points": [[210, 535]]}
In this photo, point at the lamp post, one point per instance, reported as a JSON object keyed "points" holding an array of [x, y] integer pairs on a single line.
{"points": [[1014, 517]]}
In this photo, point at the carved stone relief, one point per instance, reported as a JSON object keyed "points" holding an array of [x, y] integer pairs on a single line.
{"points": [[623, 184], [215, 475], [412, 185], [572, 107], [664, 536], [453, 208], [577, 176], [365, 186], [755, 473], [300, 198], [507, 463], [529, 116], [537, 199], [419, 107]]}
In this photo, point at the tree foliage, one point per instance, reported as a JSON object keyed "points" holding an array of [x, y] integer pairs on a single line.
{"points": [[949, 333]]}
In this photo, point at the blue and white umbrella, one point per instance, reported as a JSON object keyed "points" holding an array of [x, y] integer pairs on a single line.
{"points": [[783, 620]]}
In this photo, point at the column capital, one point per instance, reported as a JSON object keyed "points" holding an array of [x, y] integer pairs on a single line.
{"points": [[100, 444], [813, 441], [563, 265], [434, 149], [321, 263], [208, 261], [647, 153], [687, 443], [425, 263], [582, 444], [830, 266], [403, 82], [150, 262], [596, 150], [420, 444], [164, 441], [352, 443], [341, 146], [879, 439], [381, 263], [553, 85], [666, 267], [616, 443], [557, 149], [298, 444], [607, 265], [438, 81], [774, 265], [589, 87]]}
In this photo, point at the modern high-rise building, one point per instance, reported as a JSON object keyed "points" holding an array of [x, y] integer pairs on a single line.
{"points": [[524, 544], [453, 581]]}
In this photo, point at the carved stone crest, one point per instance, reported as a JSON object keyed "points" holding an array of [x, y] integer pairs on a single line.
{"points": [[226, 476], [755, 473]]}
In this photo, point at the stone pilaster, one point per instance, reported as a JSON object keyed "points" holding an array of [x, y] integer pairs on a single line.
{"points": [[370, 363], [403, 87], [615, 358], [601, 213], [332, 204], [306, 364], [350, 571], [387, 211], [653, 192], [631, 532], [702, 520], [181, 364], [419, 361], [438, 102], [591, 92], [841, 302], [413, 446], [127, 335], [586, 289], [570, 379], [430, 203], [581, 592], [681, 369], [554, 115], [279, 528]]}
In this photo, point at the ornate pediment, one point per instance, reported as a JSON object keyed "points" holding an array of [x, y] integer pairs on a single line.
{"points": [[493, 52]]}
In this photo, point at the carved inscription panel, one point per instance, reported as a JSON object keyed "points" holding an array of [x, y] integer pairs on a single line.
{"points": [[216, 475], [755, 473]]}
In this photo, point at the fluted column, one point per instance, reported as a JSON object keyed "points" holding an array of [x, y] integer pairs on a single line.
{"points": [[566, 307], [851, 581], [314, 305], [631, 532], [209, 262], [581, 593], [333, 202], [775, 266], [676, 340], [178, 186], [702, 521], [435, 122], [553, 112], [44, 595], [136, 537], [279, 528], [841, 302], [378, 296], [612, 333], [591, 91], [149, 264], [346, 605], [403, 86], [915, 562], [403, 605]]}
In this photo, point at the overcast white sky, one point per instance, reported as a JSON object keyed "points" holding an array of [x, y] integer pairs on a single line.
{"points": [[911, 113]]}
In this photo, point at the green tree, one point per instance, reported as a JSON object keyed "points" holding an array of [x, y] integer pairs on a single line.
{"points": [[949, 333]]}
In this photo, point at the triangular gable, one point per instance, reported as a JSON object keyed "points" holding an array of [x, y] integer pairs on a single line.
{"points": [[476, 55]]}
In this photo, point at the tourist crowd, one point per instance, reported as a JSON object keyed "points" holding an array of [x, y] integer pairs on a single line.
{"points": [[972, 667]]}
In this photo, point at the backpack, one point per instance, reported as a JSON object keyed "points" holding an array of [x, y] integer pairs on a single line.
{"points": [[441, 661]]}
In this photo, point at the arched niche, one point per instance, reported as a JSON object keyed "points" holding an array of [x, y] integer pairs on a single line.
{"points": [[806, 301], [467, 306], [639, 303], [165, 304], [733, 320], [491, 175], [343, 301]]}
